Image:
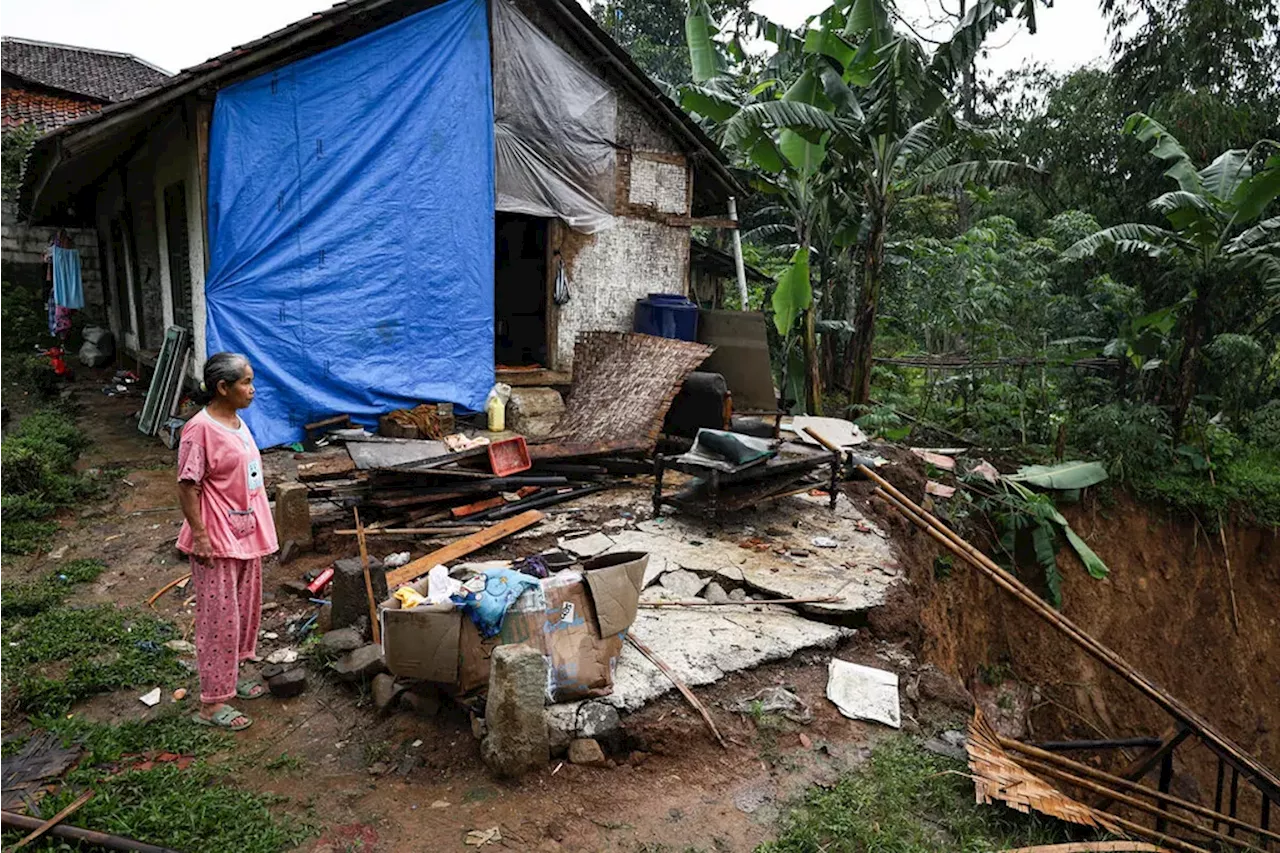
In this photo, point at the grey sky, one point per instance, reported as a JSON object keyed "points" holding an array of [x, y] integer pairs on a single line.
{"points": [[176, 35]]}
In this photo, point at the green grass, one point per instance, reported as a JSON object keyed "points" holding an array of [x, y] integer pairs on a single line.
{"points": [[172, 731], [37, 478], [1247, 485], [906, 800], [27, 599]]}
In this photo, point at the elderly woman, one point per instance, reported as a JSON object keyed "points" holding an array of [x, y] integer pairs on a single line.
{"points": [[228, 530]]}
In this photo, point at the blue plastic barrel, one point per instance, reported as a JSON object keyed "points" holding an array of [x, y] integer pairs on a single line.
{"points": [[667, 315]]}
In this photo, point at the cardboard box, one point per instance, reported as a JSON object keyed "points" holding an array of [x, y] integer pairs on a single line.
{"points": [[575, 618]]}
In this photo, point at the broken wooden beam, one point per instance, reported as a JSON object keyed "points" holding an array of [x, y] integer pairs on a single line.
{"points": [[333, 467], [462, 547], [586, 450], [479, 506]]}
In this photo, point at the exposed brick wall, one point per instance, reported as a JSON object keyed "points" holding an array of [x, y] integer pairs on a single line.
{"points": [[22, 248]]}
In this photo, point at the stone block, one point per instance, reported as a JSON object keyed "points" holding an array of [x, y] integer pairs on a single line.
{"points": [[293, 515], [385, 691], [350, 600], [517, 739], [288, 683], [587, 752], [341, 641], [361, 665], [533, 412]]}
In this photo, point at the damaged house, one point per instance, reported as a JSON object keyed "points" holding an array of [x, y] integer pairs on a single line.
{"points": [[387, 203]]}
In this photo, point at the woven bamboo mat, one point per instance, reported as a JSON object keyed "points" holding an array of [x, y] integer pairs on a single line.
{"points": [[623, 384]]}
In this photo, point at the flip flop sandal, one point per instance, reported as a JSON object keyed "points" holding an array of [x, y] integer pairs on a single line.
{"points": [[245, 688], [223, 719]]}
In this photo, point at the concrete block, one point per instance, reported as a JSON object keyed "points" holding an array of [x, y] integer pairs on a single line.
{"points": [[349, 597], [517, 739], [293, 515], [361, 665]]}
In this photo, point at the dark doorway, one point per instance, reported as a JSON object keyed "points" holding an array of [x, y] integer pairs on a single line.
{"points": [[520, 291]]}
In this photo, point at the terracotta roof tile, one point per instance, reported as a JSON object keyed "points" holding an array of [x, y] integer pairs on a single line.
{"points": [[18, 106]]}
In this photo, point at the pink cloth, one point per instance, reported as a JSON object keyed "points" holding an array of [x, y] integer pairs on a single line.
{"points": [[228, 610], [233, 503]]}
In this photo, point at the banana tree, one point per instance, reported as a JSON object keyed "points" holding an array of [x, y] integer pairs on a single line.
{"points": [[1209, 237], [863, 113]]}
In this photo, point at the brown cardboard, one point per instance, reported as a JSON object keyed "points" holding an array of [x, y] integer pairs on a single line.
{"points": [[559, 618], [421, 642], [615, 581]]}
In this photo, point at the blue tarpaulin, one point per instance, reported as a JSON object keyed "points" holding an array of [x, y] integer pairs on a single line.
{"points": [[351, 207]]}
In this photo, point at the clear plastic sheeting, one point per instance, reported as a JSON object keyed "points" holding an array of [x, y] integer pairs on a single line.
{"points": [[553, 128]]}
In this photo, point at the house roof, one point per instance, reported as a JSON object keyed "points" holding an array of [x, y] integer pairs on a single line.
{"points": [[341, 23], [103, 75], [46, 110]]}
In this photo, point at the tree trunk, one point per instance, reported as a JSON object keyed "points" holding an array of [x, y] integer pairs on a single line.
{"points": [[812, 364], [1192, 339], [864, 317]]}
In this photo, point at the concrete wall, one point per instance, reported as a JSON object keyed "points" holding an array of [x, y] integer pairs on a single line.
{"points": [[134, 195], [23, 246]]}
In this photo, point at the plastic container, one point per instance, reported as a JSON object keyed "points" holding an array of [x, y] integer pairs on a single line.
{"points": [[509, 456], [667, 315]]}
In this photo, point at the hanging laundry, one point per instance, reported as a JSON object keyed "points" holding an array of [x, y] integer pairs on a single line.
{"points": [[62, 321], [68, 290]]}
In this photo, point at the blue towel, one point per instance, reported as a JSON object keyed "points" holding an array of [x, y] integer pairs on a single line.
{"points": [[487, 609], [68, 291]]}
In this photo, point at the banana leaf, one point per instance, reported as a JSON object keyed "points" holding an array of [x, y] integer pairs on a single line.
{"points": [[1067, 475]]}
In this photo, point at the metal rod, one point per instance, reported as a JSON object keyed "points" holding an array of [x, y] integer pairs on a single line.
{"points": [[1166, 779], [1217, 796]]}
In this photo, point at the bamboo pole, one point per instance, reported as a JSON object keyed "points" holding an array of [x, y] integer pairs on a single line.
{"points": [[53, 821], [1261, 776], [1123, 784], [1133, 802], [13, 820]]}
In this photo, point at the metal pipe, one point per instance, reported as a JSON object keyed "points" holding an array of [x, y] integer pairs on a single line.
{"points": [[1115, 743], [739, 266]]}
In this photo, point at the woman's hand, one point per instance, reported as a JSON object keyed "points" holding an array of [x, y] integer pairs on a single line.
{"points": [[201, 547]]}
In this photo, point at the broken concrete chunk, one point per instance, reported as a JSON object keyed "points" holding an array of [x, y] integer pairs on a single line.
{"points": [[341, 641], [517, 740], [360, 665], [683, 583], [940, 747], [587, 752], [348, 594], [715, 593], [864, 693], [292, 515], [385, 691], [737, 595], [587, 546]]}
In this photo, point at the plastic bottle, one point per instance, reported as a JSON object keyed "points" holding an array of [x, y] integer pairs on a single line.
{"points": [[496, 407]]}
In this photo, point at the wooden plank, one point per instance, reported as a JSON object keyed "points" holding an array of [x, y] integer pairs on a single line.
{"points": [[463, 547], [327, 468], [479, 506], [584, 450]]}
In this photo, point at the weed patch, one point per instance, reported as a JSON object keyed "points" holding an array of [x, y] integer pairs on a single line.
{"points": [[170, 732], [906, 800], [37, 478], [27, 599]]}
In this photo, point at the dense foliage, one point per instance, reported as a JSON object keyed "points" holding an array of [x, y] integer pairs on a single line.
{"points": [[1040, 264]]}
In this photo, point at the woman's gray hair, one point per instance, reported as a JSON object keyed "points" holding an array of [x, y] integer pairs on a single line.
{"points": [[225, 367]]}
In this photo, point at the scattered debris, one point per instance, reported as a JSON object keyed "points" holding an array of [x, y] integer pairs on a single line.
{"points": [[825, 542], [481, 837], [939, 490], [462, 547], [288, 655], [986, 471], [587, 546], [776, 700], [937, 460], [151, 602], [182, 647], [180, 694], [680, 685], [863, 692]]}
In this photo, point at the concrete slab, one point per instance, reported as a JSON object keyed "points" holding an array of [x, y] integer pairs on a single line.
{"points": [[702, 647], [860, 569]]}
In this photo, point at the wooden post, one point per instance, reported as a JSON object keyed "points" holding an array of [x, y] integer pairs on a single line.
{"points": [[1166, 779], [368, 582]]}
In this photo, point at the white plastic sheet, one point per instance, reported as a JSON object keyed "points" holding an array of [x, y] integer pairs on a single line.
{"points": [[554, 128]]}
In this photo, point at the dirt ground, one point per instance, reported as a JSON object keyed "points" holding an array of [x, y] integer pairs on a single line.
{"points": [[411, 782]]}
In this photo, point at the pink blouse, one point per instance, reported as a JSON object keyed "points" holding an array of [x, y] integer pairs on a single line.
{"points": [[226, 464]]}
